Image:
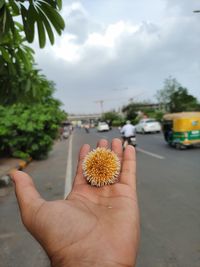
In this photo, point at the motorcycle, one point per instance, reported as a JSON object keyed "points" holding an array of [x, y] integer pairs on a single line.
{"points": [[131, 140]]}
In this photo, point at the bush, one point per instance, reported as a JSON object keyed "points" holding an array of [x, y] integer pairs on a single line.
{"points": [[29, 131], [117, 123]]}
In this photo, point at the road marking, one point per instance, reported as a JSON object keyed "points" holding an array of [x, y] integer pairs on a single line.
{"points": [[149, 153], [7, 235], [68, 176], [12, 234]]}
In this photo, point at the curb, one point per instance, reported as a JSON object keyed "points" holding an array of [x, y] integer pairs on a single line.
{"points": [[5, 180]]}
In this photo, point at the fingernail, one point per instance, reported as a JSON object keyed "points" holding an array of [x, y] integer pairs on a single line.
{"points": [[12, 173]]}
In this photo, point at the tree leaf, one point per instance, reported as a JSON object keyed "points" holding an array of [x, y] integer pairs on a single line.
{"points": [[4, 20], [27, 28], [10, 23], [5, 54], [31, 19], [54, 17], [41, 33], [15, 7], [2, 2], [19, 25], [48, 27], [22, 56], [59, 3], [50, 2]]}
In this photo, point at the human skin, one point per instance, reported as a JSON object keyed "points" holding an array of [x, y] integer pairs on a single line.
{"points": [[92, 226]]}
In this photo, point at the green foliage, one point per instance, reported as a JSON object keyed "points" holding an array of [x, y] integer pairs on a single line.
{"points": [[44, 14], [20, 81], [29, 131], [153, 113], [24, 86], [111, 116], [181, 100], [131, 111], [175, 98], [163, 95], [29, 115], [16, 65], [118, 122], [159, 115]]}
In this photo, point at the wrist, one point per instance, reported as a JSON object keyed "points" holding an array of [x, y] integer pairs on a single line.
{"points": [[89, 263], [86, 262]]}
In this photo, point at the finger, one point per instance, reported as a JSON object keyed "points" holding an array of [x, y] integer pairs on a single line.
{"points": [[128, 173], [28, 198], [79, 178], [102, 143], [117, 148]]}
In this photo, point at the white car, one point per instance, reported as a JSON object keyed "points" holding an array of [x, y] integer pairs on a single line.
{"points": [[102, 126], [148, 126]]}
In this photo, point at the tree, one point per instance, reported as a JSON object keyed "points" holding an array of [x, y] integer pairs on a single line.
{"points": [[16, 64], [19, 78], [131, 111], [175, 98], [111, 116], [29, 114], [163, 95], [42, 13], [181, 100]]}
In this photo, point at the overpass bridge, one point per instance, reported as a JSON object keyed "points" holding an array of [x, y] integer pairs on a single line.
{"points": [[84, 117], [96, 116]]}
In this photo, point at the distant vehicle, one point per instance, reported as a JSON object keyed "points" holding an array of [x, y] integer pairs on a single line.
{"points": [[67, 129], [66, 134], [130, 141], [87, 127], [148, 126], [182, 129], [102, 127]]}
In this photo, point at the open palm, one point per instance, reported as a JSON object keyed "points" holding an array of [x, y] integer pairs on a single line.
{"points": [[93, 226]]}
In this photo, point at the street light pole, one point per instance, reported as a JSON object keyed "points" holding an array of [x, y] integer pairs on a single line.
{"points": [[101, 105]]}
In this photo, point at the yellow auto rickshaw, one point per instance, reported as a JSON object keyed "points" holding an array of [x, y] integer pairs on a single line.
{"points": [[182, 129]]}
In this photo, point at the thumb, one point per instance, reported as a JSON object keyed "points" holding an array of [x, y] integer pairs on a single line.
{"points": [[28, 198]]}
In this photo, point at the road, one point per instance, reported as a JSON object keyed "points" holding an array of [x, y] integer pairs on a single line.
{"points": [[168, 190]]}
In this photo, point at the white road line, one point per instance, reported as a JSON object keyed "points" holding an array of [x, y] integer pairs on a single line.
{"points": [[149, 153], [12, 234], [7, 235], [68, 176]]}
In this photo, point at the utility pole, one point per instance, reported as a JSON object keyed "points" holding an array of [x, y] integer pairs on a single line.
{"points": [[101, 105]]}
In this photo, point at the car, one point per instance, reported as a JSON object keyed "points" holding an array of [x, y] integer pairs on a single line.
{"points": [[102, 127], [65, 134], [148, 126]]}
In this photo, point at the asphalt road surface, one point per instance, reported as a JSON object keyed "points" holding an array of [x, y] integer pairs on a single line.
{"points": [[169, 198]]}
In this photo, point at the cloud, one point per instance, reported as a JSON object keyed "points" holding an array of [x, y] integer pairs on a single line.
{"points": [[92, 61]]}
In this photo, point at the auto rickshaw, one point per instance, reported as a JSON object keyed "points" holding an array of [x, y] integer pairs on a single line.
{"points": [[182, 129]]}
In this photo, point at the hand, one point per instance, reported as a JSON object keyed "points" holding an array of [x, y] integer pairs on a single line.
{"points": [[93, 226]]}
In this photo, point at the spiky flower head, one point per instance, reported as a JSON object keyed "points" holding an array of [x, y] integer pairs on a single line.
{"points": [[101, 167]]}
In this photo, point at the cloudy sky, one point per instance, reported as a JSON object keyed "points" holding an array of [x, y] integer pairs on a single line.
{"points": [[117, 50]]}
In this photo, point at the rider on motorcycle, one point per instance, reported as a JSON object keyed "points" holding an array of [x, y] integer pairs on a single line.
{"points": [[128, 132]]}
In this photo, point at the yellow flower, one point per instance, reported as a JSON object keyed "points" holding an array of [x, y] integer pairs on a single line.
{"points": [[101, 167]]}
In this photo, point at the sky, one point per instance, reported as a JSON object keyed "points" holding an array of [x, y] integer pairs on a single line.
{"points": [[116, 51]]}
